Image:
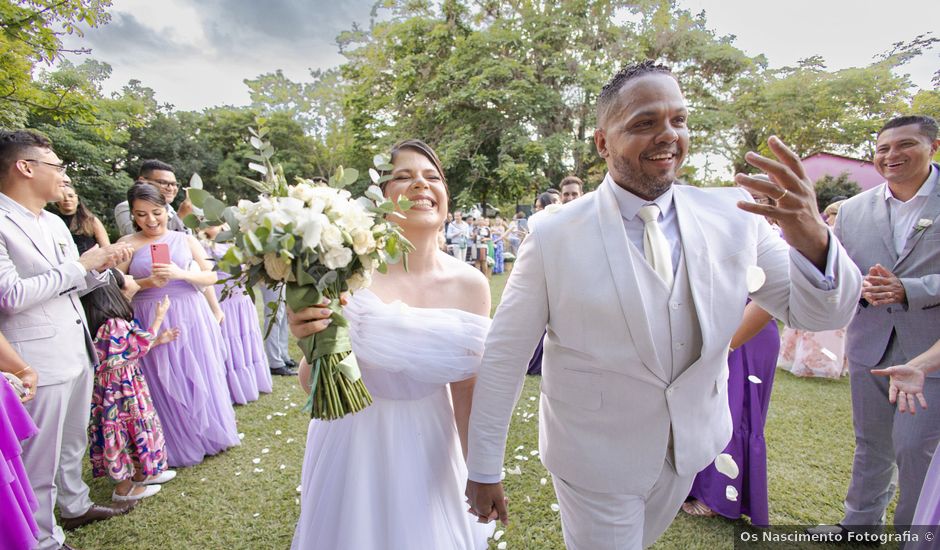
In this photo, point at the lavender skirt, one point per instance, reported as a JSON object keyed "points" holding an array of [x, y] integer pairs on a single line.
{"points": [[17, 501]]}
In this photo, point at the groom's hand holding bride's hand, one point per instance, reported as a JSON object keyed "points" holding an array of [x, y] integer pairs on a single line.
{"points": [[487, 501]]}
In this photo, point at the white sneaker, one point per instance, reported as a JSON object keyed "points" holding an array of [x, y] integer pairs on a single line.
{"points": [[149, 491], [167, 475]]}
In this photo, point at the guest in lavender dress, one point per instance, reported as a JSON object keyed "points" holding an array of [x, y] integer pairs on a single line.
{"points": [[751, 367], [907, 390], [246, 366], [186, 376], [17, 501]]}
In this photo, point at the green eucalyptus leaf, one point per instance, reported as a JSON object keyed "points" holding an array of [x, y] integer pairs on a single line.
{"points": [[195, 182], [213, 208], [385, 167], [253, 241], [379, 160], [191, 221], [260, 168], [198, 197], [256, 143]]}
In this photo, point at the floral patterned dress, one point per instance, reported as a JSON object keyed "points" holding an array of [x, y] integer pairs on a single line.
{"points": [[124, 432]]}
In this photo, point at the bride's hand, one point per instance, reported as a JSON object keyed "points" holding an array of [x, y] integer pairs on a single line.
{"points": [[311, 320]]}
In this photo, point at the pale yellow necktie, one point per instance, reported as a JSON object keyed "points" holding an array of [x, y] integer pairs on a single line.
{"points": [[655, 246]]}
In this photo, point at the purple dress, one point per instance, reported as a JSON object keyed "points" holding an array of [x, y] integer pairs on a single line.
{"points": [[246, 365], [17, 501], [927, 515], [187, 376], [749, 401]]}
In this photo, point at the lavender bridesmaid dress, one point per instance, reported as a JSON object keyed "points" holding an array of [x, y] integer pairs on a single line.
{"points": [[186, 376]]}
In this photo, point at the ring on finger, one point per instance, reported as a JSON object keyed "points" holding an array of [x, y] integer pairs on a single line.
{"points": [[784, 194]]}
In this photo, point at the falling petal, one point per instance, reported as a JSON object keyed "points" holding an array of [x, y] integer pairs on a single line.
{"points": [[829, 354], [726, 465], [497, 535], [554, 507], [543, 481], [754, 380], [755, 278], [731, 493]]}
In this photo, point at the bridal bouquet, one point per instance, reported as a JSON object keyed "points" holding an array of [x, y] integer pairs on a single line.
{"points": [[317, 241]]}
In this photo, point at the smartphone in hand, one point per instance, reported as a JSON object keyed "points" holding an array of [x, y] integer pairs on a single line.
{"points": [[160, 253]]}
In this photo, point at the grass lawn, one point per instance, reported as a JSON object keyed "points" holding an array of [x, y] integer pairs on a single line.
{"points": [[247, 496]]}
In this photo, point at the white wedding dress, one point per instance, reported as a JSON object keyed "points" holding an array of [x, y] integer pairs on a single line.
{"points": [[392, 476]]}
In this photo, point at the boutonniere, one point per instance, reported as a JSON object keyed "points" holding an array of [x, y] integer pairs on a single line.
{"points": [[922, 224], [63, 246]]}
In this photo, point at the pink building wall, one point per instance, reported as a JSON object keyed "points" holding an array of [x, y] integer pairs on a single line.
{"points": [[861, 172]]}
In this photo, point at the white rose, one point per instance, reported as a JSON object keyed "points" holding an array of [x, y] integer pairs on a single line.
{"points": [[337, 258], [359, 280], [362, 240], [331, 237]]}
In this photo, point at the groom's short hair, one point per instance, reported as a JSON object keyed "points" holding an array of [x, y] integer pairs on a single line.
{"points": [[611, 90], [925, 124]]}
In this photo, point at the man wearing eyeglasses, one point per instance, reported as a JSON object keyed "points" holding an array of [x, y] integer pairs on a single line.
{"points": [[41, 278], [159, 174]]}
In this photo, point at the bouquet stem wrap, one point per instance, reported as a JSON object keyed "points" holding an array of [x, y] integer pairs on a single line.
{"points": [[336, 387]]}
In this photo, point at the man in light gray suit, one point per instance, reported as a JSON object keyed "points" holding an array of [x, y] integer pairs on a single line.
{"points": [[641, 285], [892, 232], [41, 275]]}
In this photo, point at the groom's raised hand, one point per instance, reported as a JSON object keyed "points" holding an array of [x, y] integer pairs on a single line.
{"points": [[487, 501], [795, 196]]}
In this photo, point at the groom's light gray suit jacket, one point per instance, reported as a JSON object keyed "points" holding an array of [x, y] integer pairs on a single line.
{"points": [[40, 311], [863, 222], [610, 395]]}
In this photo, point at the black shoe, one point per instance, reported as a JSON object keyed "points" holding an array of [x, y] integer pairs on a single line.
{"points": [[283, 371], [290, 363]]}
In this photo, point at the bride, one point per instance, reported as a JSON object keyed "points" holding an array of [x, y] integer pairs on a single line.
{"points": [[391, 476]]}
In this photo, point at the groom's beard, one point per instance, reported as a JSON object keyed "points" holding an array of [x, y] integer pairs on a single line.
{"points": [[633, 179]]}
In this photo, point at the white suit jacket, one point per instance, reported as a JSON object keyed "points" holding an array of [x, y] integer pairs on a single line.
{"points": [[40, 311], [607, 402]]}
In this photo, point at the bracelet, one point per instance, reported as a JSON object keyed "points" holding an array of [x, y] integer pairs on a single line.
{"points": [[17, 373]]}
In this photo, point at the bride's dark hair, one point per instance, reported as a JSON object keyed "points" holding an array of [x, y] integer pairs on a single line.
{"points": [[423, 149]]}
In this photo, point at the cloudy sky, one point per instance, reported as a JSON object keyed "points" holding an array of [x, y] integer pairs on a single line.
{"points": [[196, 53]]}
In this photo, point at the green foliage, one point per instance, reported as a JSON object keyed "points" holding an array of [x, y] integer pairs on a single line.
{"points": [[30, 37], [828, 187]]}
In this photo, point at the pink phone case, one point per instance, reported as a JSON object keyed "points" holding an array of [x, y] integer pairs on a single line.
{"points": [[160, 253]]}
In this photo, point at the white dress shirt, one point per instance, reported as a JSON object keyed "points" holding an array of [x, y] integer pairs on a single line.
{"points": [[904, 214]]}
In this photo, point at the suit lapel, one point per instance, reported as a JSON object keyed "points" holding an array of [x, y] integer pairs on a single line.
{"points": [[52, 260], [931, 211], [624, 277], [697, 260]]}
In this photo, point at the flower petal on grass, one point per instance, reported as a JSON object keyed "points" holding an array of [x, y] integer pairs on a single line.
{"points": [[555, 507], [543, 481], [501, 546], [256, 461], [497, 535], [726, 465], [515, 471], [265, 451]]}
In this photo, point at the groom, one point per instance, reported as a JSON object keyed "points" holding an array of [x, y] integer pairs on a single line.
{"points": [[639, 315]]}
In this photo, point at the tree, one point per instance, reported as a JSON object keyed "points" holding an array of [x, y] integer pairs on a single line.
{"points": [[828, 188], [30, 36]]}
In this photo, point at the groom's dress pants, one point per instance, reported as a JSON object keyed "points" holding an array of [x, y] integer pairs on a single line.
{"points": [[609, 521]]}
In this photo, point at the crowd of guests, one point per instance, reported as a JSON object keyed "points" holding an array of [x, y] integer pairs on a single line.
{"points": [[128, 355]]}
